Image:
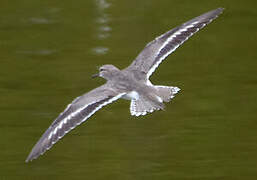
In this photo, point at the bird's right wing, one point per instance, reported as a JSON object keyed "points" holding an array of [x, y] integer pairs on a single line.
{"points": [[157, 50], [77, 112]]}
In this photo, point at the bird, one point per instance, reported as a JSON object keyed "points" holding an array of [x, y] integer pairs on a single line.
{"points": [[131, 83]]}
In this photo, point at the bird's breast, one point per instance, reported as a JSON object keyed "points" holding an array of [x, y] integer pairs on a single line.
{"points": [[131, 95]]}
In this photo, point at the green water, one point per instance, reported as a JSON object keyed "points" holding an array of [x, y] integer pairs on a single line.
{"points": [[49, 50]]}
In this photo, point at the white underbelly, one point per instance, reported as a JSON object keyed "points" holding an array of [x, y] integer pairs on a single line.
{"points": [[131, 95]]}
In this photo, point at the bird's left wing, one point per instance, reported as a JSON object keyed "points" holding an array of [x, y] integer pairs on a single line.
{"points": [[77, 112], [157, 50]]}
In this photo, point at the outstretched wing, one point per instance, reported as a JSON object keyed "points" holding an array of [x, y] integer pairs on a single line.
{"points": [[157, 50], [77, 112]]}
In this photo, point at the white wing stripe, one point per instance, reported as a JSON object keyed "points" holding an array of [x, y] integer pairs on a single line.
{"points": [[105, 103], [172, 37], [65, 120], [175, 34]]}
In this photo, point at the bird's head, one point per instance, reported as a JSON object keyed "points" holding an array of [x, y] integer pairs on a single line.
{"points": [[107, 72]]}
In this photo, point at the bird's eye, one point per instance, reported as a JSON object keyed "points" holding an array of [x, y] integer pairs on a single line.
{"points": [[101, 69]]}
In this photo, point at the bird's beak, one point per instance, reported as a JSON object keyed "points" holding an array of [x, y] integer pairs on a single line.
{"points": [[95, 75]]}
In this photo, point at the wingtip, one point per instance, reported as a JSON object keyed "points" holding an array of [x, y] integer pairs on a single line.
{"points": [[221, 9], [217, 11], [29, 158], [211, 15], [34, 154]]}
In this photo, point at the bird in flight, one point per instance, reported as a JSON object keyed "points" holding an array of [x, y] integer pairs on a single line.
{"points": [[131, 83]]}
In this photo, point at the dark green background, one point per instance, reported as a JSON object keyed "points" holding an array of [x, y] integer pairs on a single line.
{"points": [[49, 50]]}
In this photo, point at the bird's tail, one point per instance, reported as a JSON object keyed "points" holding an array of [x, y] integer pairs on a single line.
{"points": [[146, 104], [167, 92]]}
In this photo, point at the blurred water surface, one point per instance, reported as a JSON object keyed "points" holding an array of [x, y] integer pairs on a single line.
{"points": [[50, 49]]}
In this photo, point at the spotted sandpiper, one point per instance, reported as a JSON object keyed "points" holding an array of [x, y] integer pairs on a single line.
{"points": [[131, 83]]}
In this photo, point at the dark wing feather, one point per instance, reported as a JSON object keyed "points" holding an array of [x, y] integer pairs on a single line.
{"points": [[157, 50], [77, 112]]}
